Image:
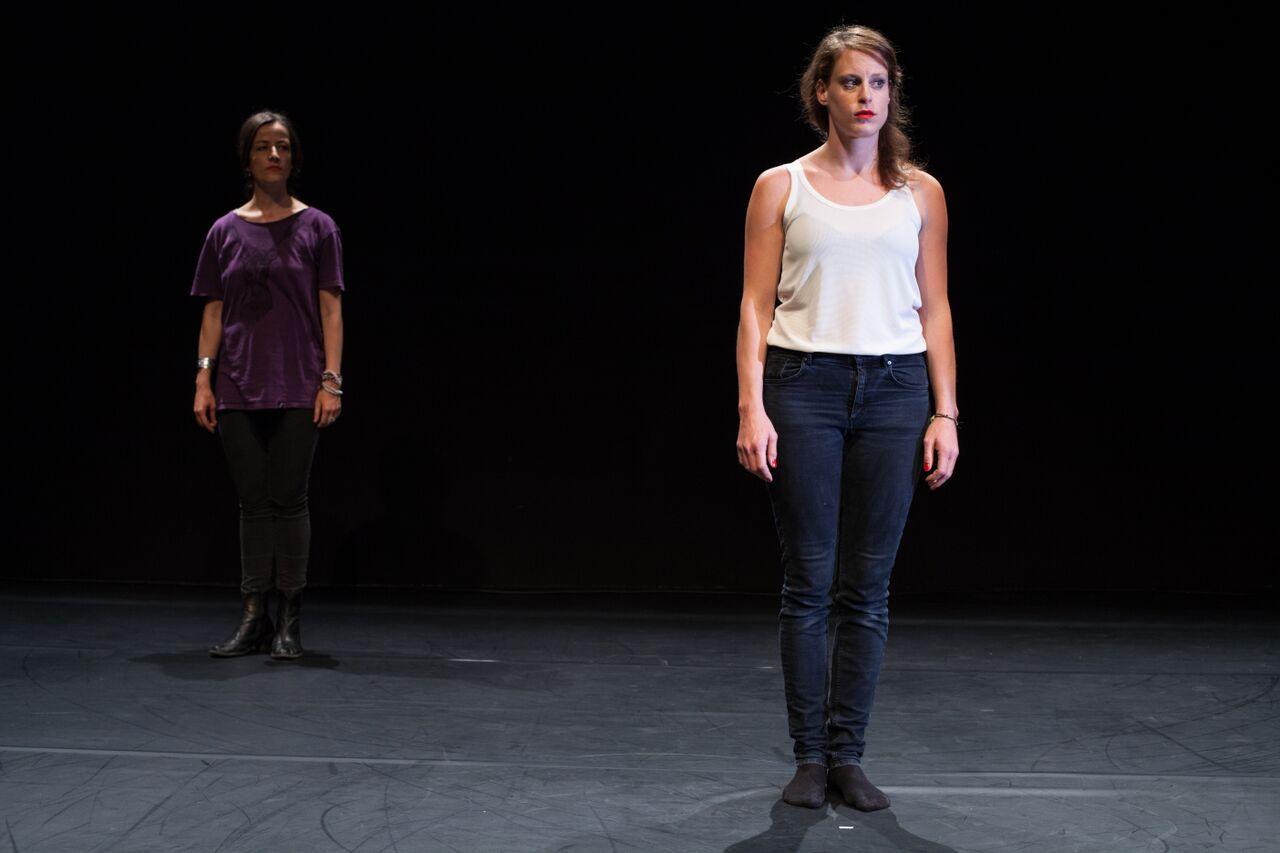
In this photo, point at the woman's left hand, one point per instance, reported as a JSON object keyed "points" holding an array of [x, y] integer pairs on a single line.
{"points": [[941, 447], [328, 407]]}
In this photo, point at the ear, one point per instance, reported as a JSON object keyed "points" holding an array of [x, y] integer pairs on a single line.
{"points": [[821, 91]]}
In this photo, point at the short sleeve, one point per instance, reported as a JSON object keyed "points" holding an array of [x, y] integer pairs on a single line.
{"points": [[329, 262], [208, 280]]}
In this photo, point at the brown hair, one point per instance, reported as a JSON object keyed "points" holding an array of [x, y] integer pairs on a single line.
{"points": [[249, 130], [894, 151]]}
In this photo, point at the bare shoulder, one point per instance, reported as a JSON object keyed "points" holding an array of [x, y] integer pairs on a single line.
{"points": [[771, 191], [921, 182], [774, 181], [927, 192]]}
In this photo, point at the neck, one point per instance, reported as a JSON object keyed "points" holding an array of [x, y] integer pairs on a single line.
{"points": [[274, 198], [853, 154]]}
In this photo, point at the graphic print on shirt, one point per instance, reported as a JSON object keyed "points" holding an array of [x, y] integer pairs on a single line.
{"points": [[257, 262], [255, 291]]}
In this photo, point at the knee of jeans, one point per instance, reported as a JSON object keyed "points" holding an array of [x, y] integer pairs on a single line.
{"points": [[289, 506], [805, 603], [255, 509], [872, 603]]}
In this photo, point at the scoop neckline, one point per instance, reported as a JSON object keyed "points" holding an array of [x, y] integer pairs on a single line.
{"points": [[805, 180], [274, 221]]}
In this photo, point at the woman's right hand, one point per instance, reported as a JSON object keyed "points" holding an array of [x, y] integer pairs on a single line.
{"points": [[757, 444], [206, 408]]}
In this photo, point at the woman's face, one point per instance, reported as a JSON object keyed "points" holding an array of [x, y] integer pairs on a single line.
{"points": [[857, 95], [270, 157]]}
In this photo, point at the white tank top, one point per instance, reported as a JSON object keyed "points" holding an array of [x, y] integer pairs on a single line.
{"points": [[848, 282]]}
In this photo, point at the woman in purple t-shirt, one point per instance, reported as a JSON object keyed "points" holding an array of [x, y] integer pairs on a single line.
{"points": [[269, 372]]}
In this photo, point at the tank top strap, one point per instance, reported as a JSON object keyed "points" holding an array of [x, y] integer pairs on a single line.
{"points": [[793, 194]]}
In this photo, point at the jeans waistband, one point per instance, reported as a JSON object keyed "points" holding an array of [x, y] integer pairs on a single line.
{"points": [[848, 358]]}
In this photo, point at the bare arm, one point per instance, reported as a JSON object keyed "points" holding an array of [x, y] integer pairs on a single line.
{"points": [[207, 347], [941, 444], [331, 326], [328, 406], [762, 265]]}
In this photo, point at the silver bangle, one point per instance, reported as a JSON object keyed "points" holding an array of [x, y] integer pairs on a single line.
{"points": [[337, 393], [203, 362], [335, 377]]}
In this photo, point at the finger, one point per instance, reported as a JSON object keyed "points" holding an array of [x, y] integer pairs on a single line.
{"points": [[315, 415], [211, 416], [928, 454], [762, 464], [773, 450]]}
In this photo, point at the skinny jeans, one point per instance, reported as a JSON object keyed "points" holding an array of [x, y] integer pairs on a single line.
{"points": [[270, 453], [850, 449]]}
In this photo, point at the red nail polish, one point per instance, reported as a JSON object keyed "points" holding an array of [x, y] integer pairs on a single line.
{"points": [[926, 466]]}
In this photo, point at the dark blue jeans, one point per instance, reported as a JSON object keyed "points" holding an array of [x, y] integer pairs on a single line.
{"points": [[850, 449]]}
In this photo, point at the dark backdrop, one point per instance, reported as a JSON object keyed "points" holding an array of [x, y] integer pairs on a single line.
{"points": [[543, 233]]}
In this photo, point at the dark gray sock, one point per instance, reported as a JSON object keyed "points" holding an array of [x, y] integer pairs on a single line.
{"points": [[808, 787], [857, 789]]}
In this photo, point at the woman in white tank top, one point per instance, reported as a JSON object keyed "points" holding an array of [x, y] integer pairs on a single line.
{"points": [[843, 337]]}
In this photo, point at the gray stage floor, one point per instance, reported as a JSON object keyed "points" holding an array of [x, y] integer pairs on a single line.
{"points": [[574, 723]]}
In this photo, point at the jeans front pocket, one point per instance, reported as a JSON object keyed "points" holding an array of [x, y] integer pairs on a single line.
{"points": [[909, 371], [782, 366]]}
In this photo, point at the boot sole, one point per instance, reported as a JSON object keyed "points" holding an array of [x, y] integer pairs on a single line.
{"points": [[262, 648]]}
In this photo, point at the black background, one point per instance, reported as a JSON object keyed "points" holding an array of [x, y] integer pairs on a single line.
{"points": [[542, 222]]}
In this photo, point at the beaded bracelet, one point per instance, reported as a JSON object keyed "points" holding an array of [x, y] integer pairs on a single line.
{"points": [[944, 415]]}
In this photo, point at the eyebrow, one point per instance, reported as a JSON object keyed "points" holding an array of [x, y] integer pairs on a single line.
{"points": [[854, 74]]}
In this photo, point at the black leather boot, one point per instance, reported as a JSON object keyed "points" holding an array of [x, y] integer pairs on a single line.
{"points": [[254, 632], [287, 644]]}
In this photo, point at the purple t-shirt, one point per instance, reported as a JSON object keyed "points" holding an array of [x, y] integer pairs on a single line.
{"points": [[268, 276]]}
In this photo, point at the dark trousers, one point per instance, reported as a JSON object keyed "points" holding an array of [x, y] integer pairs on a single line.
{"points": [[270, 453], [850, 449]]}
